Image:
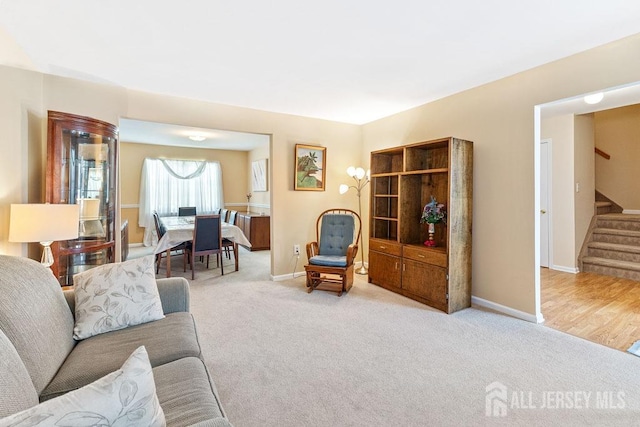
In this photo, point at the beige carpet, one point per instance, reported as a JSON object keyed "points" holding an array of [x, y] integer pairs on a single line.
{"points": [[282, 357]]}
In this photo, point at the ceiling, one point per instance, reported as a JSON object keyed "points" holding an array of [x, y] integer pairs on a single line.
{"points": [[168, 134], [612, 98], [351, 61]]}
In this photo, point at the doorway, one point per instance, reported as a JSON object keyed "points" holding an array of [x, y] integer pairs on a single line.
{"points": [[234, 151], [570, 301]]}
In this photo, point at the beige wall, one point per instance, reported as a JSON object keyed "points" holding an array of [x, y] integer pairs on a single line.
{"points": [[560, 130], [260, 200], [234, 176], [498, 117], [618, 134], [584, 177], [293, 213], [21, 136]]}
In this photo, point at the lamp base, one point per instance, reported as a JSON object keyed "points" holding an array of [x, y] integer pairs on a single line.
{"points": [[47, 255], [362, 270]]}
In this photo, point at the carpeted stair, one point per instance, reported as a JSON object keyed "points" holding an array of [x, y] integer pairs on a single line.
{"points": [[614, 247]]}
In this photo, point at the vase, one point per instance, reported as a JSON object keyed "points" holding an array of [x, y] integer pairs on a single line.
{"points": [[432, 231]]}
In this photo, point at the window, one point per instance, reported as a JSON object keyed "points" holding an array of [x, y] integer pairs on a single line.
{"points": [[166, 185]]}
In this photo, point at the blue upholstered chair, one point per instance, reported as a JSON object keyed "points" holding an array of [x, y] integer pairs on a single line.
{"points": [[331, 256], [207, 240]]}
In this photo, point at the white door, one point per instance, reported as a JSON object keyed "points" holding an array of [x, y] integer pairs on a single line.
{"points": [[545, 164]]}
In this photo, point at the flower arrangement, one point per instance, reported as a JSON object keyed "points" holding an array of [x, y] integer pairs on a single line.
{"points": [[433, 212]]}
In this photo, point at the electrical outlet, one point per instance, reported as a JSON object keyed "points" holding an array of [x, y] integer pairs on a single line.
{"points": [[296, 250]]}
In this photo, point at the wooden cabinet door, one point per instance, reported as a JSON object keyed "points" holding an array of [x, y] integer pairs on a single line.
{"points": [[257, 228], [384, 270], [426, 281]]}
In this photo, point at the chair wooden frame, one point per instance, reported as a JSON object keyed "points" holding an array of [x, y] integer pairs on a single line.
{"points": [[333, 279]]}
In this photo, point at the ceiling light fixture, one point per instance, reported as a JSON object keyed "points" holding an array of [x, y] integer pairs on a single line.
{"points": [[594, 98], [197, 138]]}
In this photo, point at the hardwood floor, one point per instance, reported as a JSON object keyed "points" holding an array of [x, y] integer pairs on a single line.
{"points": [[598, 308]]}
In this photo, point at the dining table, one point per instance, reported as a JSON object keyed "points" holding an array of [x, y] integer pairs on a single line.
{"points": [[179, 229]]}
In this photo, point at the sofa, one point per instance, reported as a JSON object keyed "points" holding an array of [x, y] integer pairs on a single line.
{"points": [[40, 359]]}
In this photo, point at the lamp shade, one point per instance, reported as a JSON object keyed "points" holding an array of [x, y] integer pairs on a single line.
{"points": [[43, 222], [343, 188]]}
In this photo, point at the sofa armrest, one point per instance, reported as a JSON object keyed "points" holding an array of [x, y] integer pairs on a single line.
{"points": [[174, 294]]}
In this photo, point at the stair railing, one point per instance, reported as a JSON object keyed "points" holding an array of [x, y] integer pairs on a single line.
{"points": [[602, 153]]}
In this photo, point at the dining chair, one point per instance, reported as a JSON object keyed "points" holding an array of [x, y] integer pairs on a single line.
{"points": [[207, 240], [227, 244], [160, 232], [232, 217], [223, 215], [215, 211], [187, 211]]}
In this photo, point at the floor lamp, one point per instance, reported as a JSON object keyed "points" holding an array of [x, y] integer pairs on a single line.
{"points": [[362, 179], [44, 223]]}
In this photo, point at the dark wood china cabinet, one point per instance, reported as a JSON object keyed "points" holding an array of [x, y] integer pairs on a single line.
{"points": [[81, 169]]}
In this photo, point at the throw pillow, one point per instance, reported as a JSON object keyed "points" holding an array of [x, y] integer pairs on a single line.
{"points": [[126, 397], [115, 296]]}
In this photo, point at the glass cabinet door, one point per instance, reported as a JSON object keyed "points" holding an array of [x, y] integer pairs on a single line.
{"points": [[81, 170]]}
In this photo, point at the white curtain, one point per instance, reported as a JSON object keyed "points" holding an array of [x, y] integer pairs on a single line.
{"points": [[166, 185]]}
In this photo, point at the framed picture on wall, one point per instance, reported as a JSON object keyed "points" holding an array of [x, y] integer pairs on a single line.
{"points": [[310, 167], [259, 175]]}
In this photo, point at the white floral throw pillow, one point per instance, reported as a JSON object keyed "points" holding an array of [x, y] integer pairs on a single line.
{"points": [[126, 397], [115, 296]]}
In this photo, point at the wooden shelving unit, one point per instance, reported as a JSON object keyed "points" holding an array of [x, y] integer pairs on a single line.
{"points": [[403, 179]]}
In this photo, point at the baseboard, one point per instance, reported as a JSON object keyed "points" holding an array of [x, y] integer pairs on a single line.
{"points": [[631, 211], [136, 245], [287, 276], [507, 310], [573, 270]]}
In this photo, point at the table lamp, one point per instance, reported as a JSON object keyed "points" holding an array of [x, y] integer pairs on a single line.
{"points": [[44, 223]]}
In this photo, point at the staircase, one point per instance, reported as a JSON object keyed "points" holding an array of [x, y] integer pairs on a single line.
{"points": [[612, 246]]}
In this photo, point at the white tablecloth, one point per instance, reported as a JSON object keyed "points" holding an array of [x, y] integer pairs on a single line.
{"points": [[180, 229]]}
